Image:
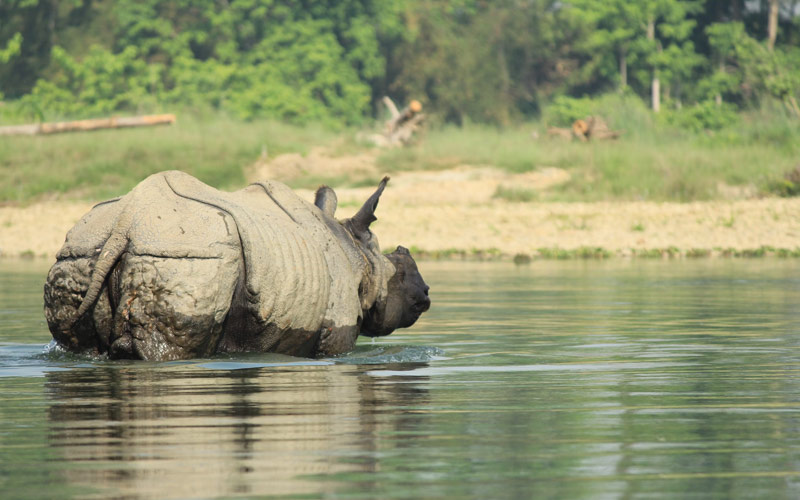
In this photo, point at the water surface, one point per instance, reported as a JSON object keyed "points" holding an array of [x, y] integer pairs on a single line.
{"points": [[619, 379]]}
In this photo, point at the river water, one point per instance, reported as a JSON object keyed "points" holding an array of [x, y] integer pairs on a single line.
{"points": [[600, 379]]}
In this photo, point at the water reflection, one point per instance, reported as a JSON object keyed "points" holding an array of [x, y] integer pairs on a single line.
{"points": [[175, 432], [558, 380]]}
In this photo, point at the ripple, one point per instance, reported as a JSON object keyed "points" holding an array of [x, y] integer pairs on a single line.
{"points": [[428, 371]]}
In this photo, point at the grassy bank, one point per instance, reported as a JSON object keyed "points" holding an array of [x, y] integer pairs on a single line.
{"points": [[655, 162], [107, 163], [651, 161]]}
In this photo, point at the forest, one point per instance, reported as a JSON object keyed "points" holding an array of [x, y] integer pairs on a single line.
{"points": [[697, 62]]}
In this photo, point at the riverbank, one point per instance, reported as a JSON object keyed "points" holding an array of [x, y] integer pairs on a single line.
{"points": [[457, 214]]}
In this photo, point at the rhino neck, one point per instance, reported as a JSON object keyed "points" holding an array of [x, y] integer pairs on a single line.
{"points": [[371, 268], [373, 287]]}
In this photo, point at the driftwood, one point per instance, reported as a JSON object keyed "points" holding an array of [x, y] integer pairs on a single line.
{"points": [[399, 129], [590, 128], [86, 125]]}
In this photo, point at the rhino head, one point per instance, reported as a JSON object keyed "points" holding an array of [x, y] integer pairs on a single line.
{"points": [[392, 292], [406, 298]]}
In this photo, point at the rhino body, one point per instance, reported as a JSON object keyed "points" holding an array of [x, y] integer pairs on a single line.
{"points": [[176, 269]]}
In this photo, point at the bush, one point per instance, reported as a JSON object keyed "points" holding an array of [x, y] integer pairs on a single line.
{"points": [[298, 73], [100, 84], [623, 111], [706, 115], [788, 186], [564, 110]]}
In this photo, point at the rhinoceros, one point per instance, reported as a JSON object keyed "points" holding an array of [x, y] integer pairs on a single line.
{"points": [[176, 269]]}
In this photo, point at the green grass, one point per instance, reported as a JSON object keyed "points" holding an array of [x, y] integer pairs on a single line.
{"points": [[515, 194], [108, 163], [650, 162]]}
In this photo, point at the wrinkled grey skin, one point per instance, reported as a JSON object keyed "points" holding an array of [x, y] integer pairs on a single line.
{"points": [[176, 269]]}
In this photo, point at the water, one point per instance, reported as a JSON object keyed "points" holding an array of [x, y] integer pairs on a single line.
{"points": [[556, 380]]}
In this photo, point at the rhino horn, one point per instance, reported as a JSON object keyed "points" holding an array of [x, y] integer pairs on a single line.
{"points": [[366, 214], [326, 200]]}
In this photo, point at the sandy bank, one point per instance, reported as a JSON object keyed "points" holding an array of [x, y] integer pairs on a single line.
{"points": [[440, 220]]}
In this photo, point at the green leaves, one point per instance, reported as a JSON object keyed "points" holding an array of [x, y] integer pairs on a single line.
{"points": [[99, 85], [330, 61], [11, 49], [253, 58]]}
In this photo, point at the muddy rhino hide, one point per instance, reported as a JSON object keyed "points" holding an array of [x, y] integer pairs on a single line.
{"points": [[177, 269]]}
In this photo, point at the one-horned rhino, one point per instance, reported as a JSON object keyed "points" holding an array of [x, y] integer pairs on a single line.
{"points": [[176, 269]]}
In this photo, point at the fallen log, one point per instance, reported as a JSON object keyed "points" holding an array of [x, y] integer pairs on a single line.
{"points": [[87, 125], [590, 128], [593, 127]]}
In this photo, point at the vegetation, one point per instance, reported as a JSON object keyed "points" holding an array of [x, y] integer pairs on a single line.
{"points": [[653, 160], [107, 163], [650, 162], [331, 61], [250, 74]]}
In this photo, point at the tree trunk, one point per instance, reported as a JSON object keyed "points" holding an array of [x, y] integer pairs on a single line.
{"points": [[505, 86], [737, 10], [772, 26], [656, 93], [656, 85], [623, 69]]}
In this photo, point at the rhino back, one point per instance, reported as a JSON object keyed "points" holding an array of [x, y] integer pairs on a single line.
{"points": [[286, 281]]}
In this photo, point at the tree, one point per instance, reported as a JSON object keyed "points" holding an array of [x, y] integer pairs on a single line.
{"points": [[486, 61], [32, 24], [651, 36]]}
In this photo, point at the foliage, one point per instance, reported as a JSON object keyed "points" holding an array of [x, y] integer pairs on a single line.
{"points": [[748, 71], [702, 116], [488, 62], [11, 49], [100, 84], [468, 61], [254, 58], [564, 110], [640, 39]]}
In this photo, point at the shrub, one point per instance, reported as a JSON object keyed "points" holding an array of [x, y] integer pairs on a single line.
{"points": [[789, 185], [564, 110], [706, 115]]}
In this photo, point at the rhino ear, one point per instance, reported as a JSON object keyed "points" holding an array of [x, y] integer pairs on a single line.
{"points": [[326, 200], [366, 214]]}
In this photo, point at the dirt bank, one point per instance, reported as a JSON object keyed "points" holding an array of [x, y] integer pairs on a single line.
{"points": [[443, 211]]}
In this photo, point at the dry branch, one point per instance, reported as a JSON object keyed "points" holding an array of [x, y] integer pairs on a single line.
{"points": [[400, 128]]}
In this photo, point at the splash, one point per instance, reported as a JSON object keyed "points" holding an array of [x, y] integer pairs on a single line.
{"points": [[384, 354]]}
